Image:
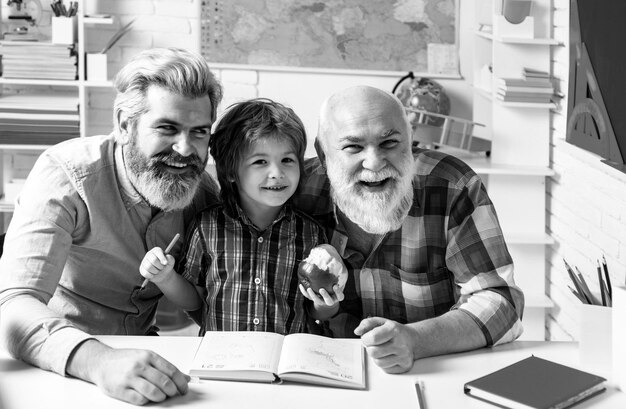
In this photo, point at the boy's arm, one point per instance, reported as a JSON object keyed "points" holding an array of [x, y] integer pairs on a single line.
{"points": [[158, 267], [181, 292]]}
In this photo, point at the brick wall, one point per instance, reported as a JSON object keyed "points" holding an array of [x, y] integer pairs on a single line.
{"points": [[586, 207], [164, 23]]}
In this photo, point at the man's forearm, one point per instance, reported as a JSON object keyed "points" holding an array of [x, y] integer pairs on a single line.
{"points": [[454, 331], [32, 332]]}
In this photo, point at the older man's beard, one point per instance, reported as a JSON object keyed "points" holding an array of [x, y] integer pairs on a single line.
{"points": [[375, 212], [159, 187]]}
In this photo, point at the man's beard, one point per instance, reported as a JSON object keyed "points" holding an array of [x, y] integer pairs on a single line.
{"points": [[159, 187], [375, 212]]}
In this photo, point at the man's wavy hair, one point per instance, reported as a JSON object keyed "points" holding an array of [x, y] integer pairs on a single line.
{"points": [[244, 124], [180, 71]]}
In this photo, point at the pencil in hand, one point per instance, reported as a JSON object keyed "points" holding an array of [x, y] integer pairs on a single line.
{"points": [[167, 250]]}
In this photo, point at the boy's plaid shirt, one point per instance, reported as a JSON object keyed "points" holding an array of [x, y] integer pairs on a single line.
{"points": [[250, 276]]}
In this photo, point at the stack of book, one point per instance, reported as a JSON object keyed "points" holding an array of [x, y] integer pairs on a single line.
{"points": [[38, 60], [534, 87], [531, 74], [38, 119]]}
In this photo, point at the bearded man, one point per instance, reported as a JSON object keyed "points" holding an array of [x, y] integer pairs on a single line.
{"points": [[429, 271], [88, 212]]}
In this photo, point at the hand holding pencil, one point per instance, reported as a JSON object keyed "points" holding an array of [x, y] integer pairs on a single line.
{"points": [[157, 264]]}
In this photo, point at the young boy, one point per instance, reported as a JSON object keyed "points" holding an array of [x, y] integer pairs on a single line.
{"points": [[240, 266]]}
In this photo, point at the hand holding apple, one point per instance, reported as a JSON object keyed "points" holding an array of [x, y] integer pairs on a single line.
{"points": [[323, 268], [323, 277]]}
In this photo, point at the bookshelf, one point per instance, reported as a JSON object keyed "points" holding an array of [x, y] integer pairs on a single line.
{"points": [[515, 174], [17, 156]]}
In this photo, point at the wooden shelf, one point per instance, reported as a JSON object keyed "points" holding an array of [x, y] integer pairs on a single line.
{"points": [[540, 105], [20, 81], [515, 238], [513, 40], [483, 165], [6, 207], [487, 94], [23, 147], [537, 301], [104, 20], [98, 84], [514, 175]]}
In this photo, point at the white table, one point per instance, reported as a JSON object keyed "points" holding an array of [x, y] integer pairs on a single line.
{"points": [[26, 387]]}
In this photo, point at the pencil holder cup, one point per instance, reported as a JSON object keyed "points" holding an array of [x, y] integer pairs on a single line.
{"points": [[64, 30], [96, 67], [515, 20], [594, 338], [619, 336]]}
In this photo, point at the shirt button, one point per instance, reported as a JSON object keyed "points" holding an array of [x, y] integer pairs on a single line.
{"points": [[260, 240], [257, 281], [256, 321]]}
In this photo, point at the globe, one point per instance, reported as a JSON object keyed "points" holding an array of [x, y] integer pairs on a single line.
{"points": [[424, 94]]}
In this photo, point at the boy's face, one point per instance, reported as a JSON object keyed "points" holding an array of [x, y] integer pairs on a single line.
{"points": [[268, 174]]}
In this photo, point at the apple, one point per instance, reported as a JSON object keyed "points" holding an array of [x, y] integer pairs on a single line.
{"points": [[314, 277], [323, 268]]}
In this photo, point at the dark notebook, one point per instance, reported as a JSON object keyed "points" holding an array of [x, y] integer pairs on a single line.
{"points": [[535, 383]]}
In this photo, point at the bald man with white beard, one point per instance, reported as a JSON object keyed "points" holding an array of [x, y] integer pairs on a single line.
{"points": [[429, 271]]}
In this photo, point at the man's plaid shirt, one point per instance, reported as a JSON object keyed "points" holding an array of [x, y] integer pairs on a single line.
{"points": [[448, 254]]}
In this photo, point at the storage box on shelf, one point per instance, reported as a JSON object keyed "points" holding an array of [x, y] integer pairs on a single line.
{"points": [[520, 134], [48, 103]]}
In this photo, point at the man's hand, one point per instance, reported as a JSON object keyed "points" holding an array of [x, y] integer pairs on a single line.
{"points": [[389, 343], [132, 375], [157, 266]]}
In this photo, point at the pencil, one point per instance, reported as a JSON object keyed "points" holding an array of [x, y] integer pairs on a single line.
{"points": [[420, 395], [601, 283], [167, 250], [606, 277], [576, 283], [580, 297], [583, 285]]}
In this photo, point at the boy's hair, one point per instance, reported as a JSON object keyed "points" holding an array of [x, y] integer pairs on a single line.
{"points": [[242, 125]]}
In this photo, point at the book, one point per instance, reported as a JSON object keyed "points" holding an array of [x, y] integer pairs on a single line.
{"points": [[541, 99], [506, 89], [535, 383], [520, 82], [513, 94], [530, 73], [257, 356]]}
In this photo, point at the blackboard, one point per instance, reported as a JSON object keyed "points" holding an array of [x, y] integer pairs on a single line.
{"points": [[602, 26]]}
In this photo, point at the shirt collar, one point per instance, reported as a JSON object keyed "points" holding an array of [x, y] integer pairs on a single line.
{"points": [[237, 212]]}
